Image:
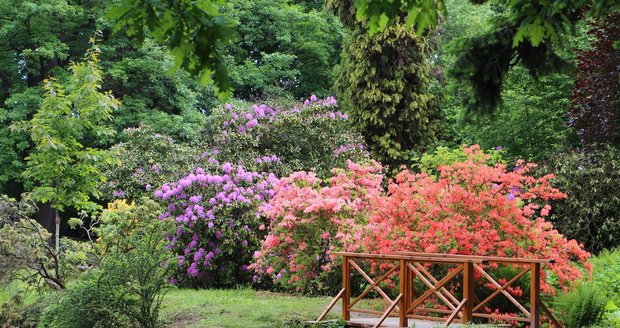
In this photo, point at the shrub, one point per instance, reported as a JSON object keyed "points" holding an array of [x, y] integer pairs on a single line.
{"points": [[309, 219], [16, 313], [430, 161], [26, 251], [217, 218], [313, 136], [582, 307], [147, 160], [470, 208], [591, 212], [473, 208], [128, 284]]}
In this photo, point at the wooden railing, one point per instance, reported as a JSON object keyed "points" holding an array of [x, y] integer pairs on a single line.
{"points": [[458, 296]]}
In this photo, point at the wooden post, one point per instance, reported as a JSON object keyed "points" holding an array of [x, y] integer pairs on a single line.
{"points": [[468, 291], [346, 285], [534, 295], [405, 292]]}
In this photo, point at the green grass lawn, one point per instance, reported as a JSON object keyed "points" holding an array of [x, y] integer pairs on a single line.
{"points": [[239, 308]]}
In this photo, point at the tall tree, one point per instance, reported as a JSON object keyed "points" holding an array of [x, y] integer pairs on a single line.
{"points": [[596, 111], [282, 49], [385, 82], [63, 170]]}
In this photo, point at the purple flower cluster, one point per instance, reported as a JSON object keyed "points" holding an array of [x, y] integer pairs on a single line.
{"points": [[244, 121], [216, 212], [327, 102], [349, 148]]}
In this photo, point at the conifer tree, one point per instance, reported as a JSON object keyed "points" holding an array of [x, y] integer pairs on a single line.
{"points": [[385, 83]]}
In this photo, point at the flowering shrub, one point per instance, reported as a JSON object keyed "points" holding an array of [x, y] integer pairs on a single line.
{"points": [[217, 218], [469, 208], [147, 160], [310, 218], [309, 136], [472, 208]]}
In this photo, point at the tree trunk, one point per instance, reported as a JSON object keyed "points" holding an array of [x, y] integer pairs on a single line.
{"points": [[57, 235]]}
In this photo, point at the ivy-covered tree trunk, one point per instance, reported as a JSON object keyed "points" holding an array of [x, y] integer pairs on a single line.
{"points": [[384, 82]]}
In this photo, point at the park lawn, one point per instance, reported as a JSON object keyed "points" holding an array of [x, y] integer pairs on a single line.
{"points": [[239, 308]]}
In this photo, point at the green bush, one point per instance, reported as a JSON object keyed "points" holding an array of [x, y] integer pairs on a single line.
{"points": [[313, 136], [16, 313], [128, 284], [582, 307], [147, 160], [591, 213], [431, 160]]}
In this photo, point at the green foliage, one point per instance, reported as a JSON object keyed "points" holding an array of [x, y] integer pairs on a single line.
{"points": [[536, 21], [591, 213], [63, 169], [145, 160], [529, 122], [606, 275], [582, 307], [282, 49], [128, 284], [16, 313], [386, 86], [172, 103], [40, 36], [194, 32], [431, 160], [26, 253]]}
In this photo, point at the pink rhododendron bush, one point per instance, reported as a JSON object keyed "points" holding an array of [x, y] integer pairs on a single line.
{"points": [[470, 208], [310, 218]]}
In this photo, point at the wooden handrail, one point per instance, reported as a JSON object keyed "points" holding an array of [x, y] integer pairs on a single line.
{"points": [[415, 258], [499, 259]]}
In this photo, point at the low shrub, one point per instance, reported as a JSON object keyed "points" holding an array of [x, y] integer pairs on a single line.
{"points": [[582, 307], [130, 278]]}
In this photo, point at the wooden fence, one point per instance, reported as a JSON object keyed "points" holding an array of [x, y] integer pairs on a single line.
{"points": [[413, 304]]}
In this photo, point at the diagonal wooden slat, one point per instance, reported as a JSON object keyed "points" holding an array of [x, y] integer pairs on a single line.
{"points": [[372, 286], [367, 278], [497, 291], [501, 289], [430, 285], [389, 309], [436, 287], [331, 305], [555, 321], [433, 280], [456, 311]]}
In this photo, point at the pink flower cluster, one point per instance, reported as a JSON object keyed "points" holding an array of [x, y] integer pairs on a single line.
{"points": [[309, 219]]}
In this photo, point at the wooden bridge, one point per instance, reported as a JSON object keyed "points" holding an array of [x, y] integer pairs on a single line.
{"points": [[454, 294]]}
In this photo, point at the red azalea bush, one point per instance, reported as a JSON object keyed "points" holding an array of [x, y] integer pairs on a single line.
{"points": [[473, 208], [470, 208], [310, 218]]}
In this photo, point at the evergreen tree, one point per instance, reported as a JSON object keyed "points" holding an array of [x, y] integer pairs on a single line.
{"points": [[385, 82]]}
